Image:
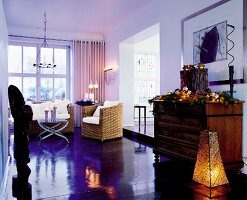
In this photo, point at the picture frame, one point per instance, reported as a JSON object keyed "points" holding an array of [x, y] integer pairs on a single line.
{"points": [[225, 10]]}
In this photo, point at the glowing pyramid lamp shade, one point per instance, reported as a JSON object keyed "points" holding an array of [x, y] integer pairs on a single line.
{"points": [[209, 169]]}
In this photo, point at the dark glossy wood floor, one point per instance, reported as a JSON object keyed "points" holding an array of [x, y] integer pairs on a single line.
{"points": [[118, 169], [147, 130]]}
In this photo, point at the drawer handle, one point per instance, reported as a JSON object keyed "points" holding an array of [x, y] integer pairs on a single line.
{"points": [[166, 146], [191, 155], [165, 133]]}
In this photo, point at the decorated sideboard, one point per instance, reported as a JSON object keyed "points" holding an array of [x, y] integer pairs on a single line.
{"points": [[177, 127]]}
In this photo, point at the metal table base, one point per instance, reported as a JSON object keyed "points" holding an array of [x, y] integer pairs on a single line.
{"points": [[51, 130]]}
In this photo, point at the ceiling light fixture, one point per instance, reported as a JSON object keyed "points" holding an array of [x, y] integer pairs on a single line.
{"points": [[43, 53]]}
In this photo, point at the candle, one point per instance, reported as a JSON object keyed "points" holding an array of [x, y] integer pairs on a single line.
{"points": [[91, 96], [86, 96], [46, 115], [54, 105], [54, 113]]}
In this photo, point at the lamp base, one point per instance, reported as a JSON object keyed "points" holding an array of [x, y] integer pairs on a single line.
{"points": [[211, 193]]}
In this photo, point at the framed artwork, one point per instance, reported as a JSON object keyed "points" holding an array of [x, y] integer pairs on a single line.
{"points": [[204, 40], [210, 44]]}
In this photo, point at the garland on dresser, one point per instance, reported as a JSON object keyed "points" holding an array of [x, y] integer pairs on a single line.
{"points": [[187, 96]]}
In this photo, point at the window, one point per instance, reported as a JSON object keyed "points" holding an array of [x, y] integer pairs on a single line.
{"points": [[39, 84], [145, 77]]}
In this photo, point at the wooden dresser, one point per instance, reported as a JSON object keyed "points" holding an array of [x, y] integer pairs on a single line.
{"points": [[177, 129]]}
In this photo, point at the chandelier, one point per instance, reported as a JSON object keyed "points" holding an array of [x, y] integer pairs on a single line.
{"points": [[44, 51]]}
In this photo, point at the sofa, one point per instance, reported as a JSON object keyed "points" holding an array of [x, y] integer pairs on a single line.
{"points": [[64, 110], [103, 122]]}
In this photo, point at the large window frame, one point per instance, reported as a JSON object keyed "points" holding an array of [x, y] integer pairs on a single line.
{"points": [[38, 75]]}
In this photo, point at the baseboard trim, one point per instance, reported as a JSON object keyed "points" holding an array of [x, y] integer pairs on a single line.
{"points": [[138, 136], [5, 179]]}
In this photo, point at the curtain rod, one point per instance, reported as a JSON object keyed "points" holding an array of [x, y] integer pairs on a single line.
{"points": [[30, 37]]}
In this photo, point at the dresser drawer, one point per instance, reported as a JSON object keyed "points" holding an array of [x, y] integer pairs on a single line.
{"points": [[194, 125], [180, 136], [179, 108], [175, 148], [185, 121]]}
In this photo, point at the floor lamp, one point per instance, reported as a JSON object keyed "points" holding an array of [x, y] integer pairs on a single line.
{"points": [[209, 173]]}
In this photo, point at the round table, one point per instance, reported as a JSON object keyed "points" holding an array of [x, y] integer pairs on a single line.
{"points": [[52, 128]]}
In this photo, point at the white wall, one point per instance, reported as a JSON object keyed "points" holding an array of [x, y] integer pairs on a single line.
{"points": [[3, 95], [126, 86], [168, 14], [149, 45], [169, 25]]}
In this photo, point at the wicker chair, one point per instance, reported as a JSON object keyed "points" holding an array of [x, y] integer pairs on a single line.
{"points": [[110, 123]]}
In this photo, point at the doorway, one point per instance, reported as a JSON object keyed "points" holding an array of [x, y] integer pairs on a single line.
{"points": [[140, 65]]}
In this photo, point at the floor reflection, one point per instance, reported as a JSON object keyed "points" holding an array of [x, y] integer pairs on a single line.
{"points": [[140, 148], [117, 169]]}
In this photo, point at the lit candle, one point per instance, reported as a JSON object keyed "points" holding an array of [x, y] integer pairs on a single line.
{"points": [[86, 96], [54, 105], [91, 96], [96, 85], [46, 114], [54, 113]]}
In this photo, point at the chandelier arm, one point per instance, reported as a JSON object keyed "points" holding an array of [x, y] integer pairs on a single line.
{"points": [[44, 45]]}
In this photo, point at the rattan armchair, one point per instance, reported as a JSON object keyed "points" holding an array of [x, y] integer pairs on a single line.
{"points": [[110, 123]]}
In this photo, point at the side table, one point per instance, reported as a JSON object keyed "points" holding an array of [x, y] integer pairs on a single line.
{"points": [[139, 107], [52, 128]]}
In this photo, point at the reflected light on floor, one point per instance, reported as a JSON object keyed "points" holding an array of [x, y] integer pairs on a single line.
{"points": [[198, 196], [93, 180], [111, 192]]}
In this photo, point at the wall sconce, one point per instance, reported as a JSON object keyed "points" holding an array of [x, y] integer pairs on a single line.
{"points": [[209, 169], [107, 74]]}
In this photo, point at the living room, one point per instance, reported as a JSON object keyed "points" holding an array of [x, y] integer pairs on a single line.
{"points": [[118, 33]]}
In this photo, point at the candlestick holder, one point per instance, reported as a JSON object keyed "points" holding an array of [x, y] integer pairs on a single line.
{"points": [[54, 113], [46, 115], [231, 72]]}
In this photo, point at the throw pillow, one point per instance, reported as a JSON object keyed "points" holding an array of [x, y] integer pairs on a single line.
{"points": [[62, 106], [110, 103], [97, 111]]}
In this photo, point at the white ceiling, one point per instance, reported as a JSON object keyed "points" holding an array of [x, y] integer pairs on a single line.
{"points": [[88, 16]]}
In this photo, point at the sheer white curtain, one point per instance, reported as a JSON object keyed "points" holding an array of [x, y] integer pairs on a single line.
{"points": [[89, 62]]}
